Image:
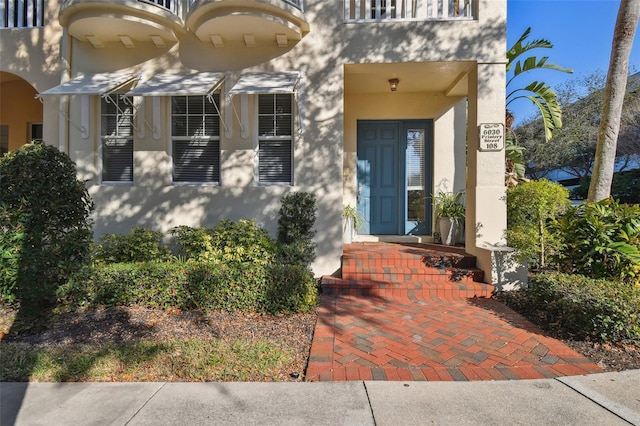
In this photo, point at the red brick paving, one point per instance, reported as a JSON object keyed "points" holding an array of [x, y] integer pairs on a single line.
{"points": [[436, 333]]}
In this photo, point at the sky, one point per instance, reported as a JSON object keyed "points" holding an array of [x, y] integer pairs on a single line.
{"points": [[581, 32]]}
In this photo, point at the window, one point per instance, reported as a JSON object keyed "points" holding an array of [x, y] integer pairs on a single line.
{"points": [[415, 180], [116, 113], [195, 131], [4, 139], [275, 148], [35, 132]]}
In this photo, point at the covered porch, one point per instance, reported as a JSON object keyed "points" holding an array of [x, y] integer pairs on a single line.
{"points": [[411, 130]]}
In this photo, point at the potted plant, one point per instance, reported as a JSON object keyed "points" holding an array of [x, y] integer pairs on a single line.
{"points": [[450, 214], [353, 221]]}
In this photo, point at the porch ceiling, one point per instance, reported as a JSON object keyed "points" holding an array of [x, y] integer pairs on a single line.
{"points": [[449, 78]]}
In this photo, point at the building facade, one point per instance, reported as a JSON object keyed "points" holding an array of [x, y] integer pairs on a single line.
{"points": [[184, 112]]}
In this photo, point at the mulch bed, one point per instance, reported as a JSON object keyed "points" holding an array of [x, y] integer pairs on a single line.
{"points": [[126, 324]]}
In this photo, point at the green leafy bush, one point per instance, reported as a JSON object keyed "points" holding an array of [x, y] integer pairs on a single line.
{"points": [[192, 242], [139, 245], [45, 225], [532, 207], [292, 289], [193, 284], [581, 306], [151, 284], [230, 287], [296, 229], [252, 287], [241, 241], [602, 240]]}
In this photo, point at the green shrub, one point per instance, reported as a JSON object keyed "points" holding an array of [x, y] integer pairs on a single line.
{"points": [[232, 287], [139, 245], [151, 284], [252, 287], [602, 240], [193, 284], [581, 306], [192, 242], [296, 229], [45, 226], [292, 289], [241, 241], [532, 207]]}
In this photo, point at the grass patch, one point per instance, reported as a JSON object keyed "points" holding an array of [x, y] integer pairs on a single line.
{"points": [[189, 360]]}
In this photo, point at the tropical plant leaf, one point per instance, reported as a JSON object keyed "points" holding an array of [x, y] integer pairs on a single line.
{"points": [[519, 47], [540, 93], [531, 63], [543, 97]]}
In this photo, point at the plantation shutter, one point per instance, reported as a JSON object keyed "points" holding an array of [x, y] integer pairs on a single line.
{"points": [[415, 159], [117, 139], [117, 158], [196, 161], [196, 138], [275, 150], [275, 161]]}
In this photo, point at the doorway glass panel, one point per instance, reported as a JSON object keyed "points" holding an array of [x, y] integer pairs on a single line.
{"points": [[415, 160]]}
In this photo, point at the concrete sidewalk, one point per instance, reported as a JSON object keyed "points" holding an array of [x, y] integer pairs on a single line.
{"points": [[598, 399]]}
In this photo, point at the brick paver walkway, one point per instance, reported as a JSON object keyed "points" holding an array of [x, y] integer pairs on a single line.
{"points": [[421, 337]]}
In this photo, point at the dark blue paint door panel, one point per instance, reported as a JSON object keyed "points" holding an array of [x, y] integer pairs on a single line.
{"points": [[378, 191]]}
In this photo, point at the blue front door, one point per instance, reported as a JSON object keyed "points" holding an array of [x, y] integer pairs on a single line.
{"points": [[394, 176], [377, 192]]}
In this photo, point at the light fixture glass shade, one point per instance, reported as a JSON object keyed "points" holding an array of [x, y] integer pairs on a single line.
{"points": [[393, 84]]}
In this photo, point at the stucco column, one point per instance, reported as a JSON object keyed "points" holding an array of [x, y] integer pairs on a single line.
{"points": [[486, 219]]}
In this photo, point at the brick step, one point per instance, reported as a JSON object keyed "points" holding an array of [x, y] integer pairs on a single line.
{"points": [[412, 256], [399, 273], [423, 290]]}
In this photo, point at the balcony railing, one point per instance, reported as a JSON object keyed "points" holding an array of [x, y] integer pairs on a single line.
{"points": [[30, 13], [22, 13], [406, 10], [171, 5], [295, 3]]}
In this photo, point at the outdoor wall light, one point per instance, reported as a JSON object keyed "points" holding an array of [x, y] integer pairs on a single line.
{"points": [[393, 84]]}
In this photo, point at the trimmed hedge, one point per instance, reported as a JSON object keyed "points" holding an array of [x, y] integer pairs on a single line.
{"points": [[202, 285], [582, 307], [151, 284]]}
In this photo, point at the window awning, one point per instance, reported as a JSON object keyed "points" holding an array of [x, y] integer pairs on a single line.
{"points": [[258, 83], [91, 84], [201, 83]]}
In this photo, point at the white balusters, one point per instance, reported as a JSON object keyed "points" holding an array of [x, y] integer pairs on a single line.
{"points": [[21, 13], [407, 10]]}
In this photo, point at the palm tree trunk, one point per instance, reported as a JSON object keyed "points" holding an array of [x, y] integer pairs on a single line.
{"points": [[624, 32]]}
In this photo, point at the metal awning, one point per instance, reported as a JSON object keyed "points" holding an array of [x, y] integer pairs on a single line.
{"points": [[201, 83], [258, 83], [91, 84]]}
